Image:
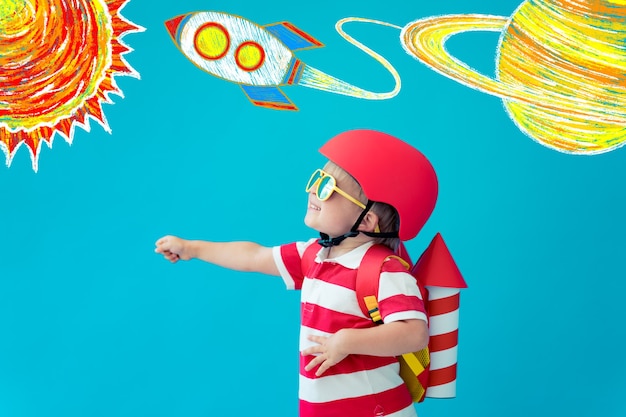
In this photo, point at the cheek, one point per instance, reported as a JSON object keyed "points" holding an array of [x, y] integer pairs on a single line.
{"points": [[351, 211], [344, 217]]}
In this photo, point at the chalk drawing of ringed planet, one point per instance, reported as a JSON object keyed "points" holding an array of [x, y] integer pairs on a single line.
{"points": [[560, 68]]}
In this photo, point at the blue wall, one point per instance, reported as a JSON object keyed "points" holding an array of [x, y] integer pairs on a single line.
{"points": [[93, 323]]}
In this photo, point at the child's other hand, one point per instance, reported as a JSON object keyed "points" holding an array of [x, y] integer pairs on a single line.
{"points": [[172, 248], [329, 352]]}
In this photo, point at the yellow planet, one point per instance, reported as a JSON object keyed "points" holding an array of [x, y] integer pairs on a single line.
{"points": [[560, 68]]}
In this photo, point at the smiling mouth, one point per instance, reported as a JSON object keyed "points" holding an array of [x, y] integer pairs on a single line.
{"points": [[314, 207]]}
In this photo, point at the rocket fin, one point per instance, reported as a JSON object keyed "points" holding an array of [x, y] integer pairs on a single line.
{"points": [[436, 267], [271, 97], [294, 38]]}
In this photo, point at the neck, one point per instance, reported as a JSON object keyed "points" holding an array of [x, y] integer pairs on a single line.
{"points": [[347, 245]]}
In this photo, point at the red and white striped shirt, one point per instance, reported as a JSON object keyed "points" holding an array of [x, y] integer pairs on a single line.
{"points": [[359, 385]]}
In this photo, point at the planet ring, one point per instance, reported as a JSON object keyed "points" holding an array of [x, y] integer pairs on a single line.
{"points": [[425, 39]]}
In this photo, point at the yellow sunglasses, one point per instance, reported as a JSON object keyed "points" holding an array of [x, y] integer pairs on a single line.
{"points": [[326, 185]]}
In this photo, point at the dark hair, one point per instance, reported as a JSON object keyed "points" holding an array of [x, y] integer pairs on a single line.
{"points": [[388, 221]]}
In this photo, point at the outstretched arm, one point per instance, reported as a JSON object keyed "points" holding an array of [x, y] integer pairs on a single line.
{"points": [[240, 256], [390, 339]]}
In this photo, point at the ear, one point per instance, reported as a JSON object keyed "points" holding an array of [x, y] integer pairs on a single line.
{"points": [[369, 222]]}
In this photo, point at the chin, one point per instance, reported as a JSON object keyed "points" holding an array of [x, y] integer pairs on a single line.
{"points": [[311, 224]]}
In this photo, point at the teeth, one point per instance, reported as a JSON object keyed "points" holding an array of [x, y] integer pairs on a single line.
{"points": [[311, 206]]}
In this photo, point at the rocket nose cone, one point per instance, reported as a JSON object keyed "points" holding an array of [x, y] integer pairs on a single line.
{"points": [[173, 24]]}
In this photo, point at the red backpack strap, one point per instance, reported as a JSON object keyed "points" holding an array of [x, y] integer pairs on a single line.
{"points": [[308, 257], [367, 280]]}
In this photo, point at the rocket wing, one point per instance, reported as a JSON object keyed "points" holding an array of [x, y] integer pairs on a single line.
{"points": [[271, 97], [293, 38]]}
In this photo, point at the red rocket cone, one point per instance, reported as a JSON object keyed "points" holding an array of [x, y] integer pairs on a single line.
{"points": [[436, 267]]}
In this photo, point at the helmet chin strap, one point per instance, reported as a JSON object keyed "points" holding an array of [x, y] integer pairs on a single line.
{"points": [[327, 241]]}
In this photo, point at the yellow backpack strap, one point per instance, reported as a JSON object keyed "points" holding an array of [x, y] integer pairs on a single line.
{"points": [[372, 308], [417, 361], [413, 368], [402, 261]]}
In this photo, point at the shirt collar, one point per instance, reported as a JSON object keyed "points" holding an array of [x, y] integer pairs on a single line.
{"points": [[350, 260]]}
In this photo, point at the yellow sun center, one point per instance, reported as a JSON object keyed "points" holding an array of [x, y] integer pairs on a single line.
{"points": [[14, 15]]}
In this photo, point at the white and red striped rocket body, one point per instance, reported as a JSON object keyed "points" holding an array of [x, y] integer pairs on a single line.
{"points": [[437, 271], [443, 304]]}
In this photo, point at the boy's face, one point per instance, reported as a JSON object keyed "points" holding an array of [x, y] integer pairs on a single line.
{"points": [[336, 215]]}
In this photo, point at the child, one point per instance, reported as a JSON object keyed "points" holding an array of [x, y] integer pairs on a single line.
{"points": [[375, 189]]}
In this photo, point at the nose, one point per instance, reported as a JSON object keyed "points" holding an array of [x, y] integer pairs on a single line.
{"points": [[314, 190]]}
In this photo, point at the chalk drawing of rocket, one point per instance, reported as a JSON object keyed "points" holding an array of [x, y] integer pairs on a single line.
{"points": [[259, 58]]}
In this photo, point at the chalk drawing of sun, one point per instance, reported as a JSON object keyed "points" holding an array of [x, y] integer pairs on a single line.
{"points": [[58, 60]]}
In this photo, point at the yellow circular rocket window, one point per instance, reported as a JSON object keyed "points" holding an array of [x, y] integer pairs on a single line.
{"points": [[211, 41], [249, 56]]}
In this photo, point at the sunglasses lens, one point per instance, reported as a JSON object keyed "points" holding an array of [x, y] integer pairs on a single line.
{"points": [[314, 178], [325, 188]]}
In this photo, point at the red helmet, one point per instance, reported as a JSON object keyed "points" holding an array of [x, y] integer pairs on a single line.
{"points": [[389, 171]]}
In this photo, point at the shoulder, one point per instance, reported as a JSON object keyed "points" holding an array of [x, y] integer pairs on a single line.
{"points": [[395, 278], [303, 246], [289, 260], [394, 264], [295, 250]]}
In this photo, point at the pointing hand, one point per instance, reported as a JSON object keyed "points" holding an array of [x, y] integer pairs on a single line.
{"points": [[172, 248]]}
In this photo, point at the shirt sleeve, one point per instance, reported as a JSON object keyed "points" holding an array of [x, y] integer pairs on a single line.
{"points": [[288, 259], [399, 297]]}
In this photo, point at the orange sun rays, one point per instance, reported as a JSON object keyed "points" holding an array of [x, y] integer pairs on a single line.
{"points": [[57, 75]]}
